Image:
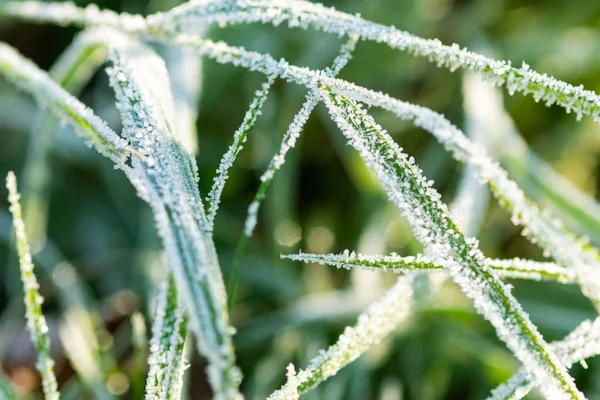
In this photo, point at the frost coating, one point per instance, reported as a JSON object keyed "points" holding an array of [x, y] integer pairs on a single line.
{"points": [[167, 347], [38, 329], [513, 268], [164, 176], [373, 325], [28, 77], [299, 13], [239, 139], [432, 226], [582, 343]]}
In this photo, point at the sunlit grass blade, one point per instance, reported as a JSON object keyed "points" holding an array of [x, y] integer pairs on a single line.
{"points": [[287, 143], [300, 13], [373, 325], [36, 322], [513, 268], [239, 139], [164, 177], [432, 226], [582, 343], [167, 347], [484, 104]]}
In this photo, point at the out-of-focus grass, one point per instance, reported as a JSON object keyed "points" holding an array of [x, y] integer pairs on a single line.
{"points": [[322, 200]]}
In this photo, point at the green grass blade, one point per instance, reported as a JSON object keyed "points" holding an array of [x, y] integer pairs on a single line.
{"points": [[582, 343], [239, 138], [300, 13], [167, 347], [485, 105], [36, 322], [434, 228], [373, 325], [164, 177], [28, 77], [287, 143], [514, 268]]}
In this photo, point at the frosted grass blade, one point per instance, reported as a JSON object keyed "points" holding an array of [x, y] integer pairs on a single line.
{"points": [[373, 325], [582, 343], [164, 176], [36, 322], [6, 390], [432, 226], [300, 13], [512, 268], [28, 77], [485, 106], [239, 138], [287, 143], [167, 348]]}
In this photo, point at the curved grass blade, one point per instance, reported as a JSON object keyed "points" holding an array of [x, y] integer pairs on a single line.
{"points": [[484, 104], [36, 322], [432, 226], [582, 343], [28, 77], [167, 348], [164, 177], [373, 325], [512, 269], [300, 13], [287, 143], [239, 138]]}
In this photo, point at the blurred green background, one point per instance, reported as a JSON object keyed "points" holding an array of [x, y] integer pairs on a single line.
{"points": [[323, 200]]}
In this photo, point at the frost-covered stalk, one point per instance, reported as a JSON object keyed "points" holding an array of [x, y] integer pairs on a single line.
{"points": [[539, 226], [513, 269], [165, 176], [373, 325], [433, 227], [28, 77], [583, 342], [239, 139], [484, 105], [72, 71], [167, 348], [287, 143], [33, 300], [300, 13]]}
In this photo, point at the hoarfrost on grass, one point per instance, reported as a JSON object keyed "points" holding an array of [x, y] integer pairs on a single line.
{"points": [[38, 328]]}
